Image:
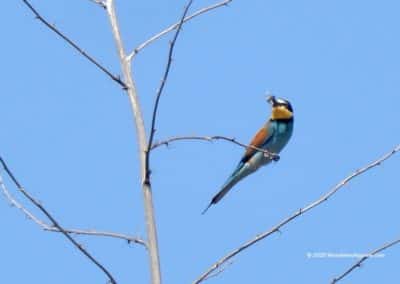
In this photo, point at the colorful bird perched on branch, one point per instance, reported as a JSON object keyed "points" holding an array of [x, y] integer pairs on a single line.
{"points": [[264, 147]]}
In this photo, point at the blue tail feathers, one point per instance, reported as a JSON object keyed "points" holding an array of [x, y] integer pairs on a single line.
{"points": [[236, 176]]}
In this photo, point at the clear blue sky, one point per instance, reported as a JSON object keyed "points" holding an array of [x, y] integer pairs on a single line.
{"points": [[68, 135]]}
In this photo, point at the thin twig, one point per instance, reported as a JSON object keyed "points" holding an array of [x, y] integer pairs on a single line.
{"points": [[14, 202], [161, 88], [299, 212], [364, 258], [129, 239], [74, 45], [54, 222], [176, 25], [166, 142], [219, 271]]}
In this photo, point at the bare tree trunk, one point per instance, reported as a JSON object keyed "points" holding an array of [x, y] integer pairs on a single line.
{"points": [[141, 137]]}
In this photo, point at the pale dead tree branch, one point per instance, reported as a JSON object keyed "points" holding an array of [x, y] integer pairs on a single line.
{"points": [[296, 214], [100, 3], [14, 202], [219, 270], [166, 142], [54, 221], [152, 243], [74, 45], [128, 238], [161, 88], [364, 258], [175, 26]]}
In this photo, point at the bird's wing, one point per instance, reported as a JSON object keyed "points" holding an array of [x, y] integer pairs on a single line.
{"points": [[261, 138]]}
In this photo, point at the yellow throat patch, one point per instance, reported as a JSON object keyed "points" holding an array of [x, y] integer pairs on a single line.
{"points": [[281, 112]]}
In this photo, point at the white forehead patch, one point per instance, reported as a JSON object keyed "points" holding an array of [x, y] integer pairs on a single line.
{"points": [[280, 101]]}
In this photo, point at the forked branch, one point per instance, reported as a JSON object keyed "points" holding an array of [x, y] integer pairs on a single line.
{"points": [[144, 145], [54, 221], [14, 202]]}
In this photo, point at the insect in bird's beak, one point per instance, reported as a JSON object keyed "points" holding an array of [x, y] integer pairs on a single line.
{"points": [[271, 99]]}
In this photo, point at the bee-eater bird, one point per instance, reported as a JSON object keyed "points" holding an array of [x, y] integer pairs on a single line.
{"points": [[272, 137]]}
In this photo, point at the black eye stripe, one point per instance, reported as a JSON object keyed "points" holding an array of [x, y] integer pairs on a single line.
{"points": [[284, 104]]}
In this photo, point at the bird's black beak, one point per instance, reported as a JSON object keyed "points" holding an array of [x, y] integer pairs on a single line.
{"points": [[271, 100]]}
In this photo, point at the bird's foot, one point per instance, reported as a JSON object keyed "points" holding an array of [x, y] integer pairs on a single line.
{"points": [[274, 157]]}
